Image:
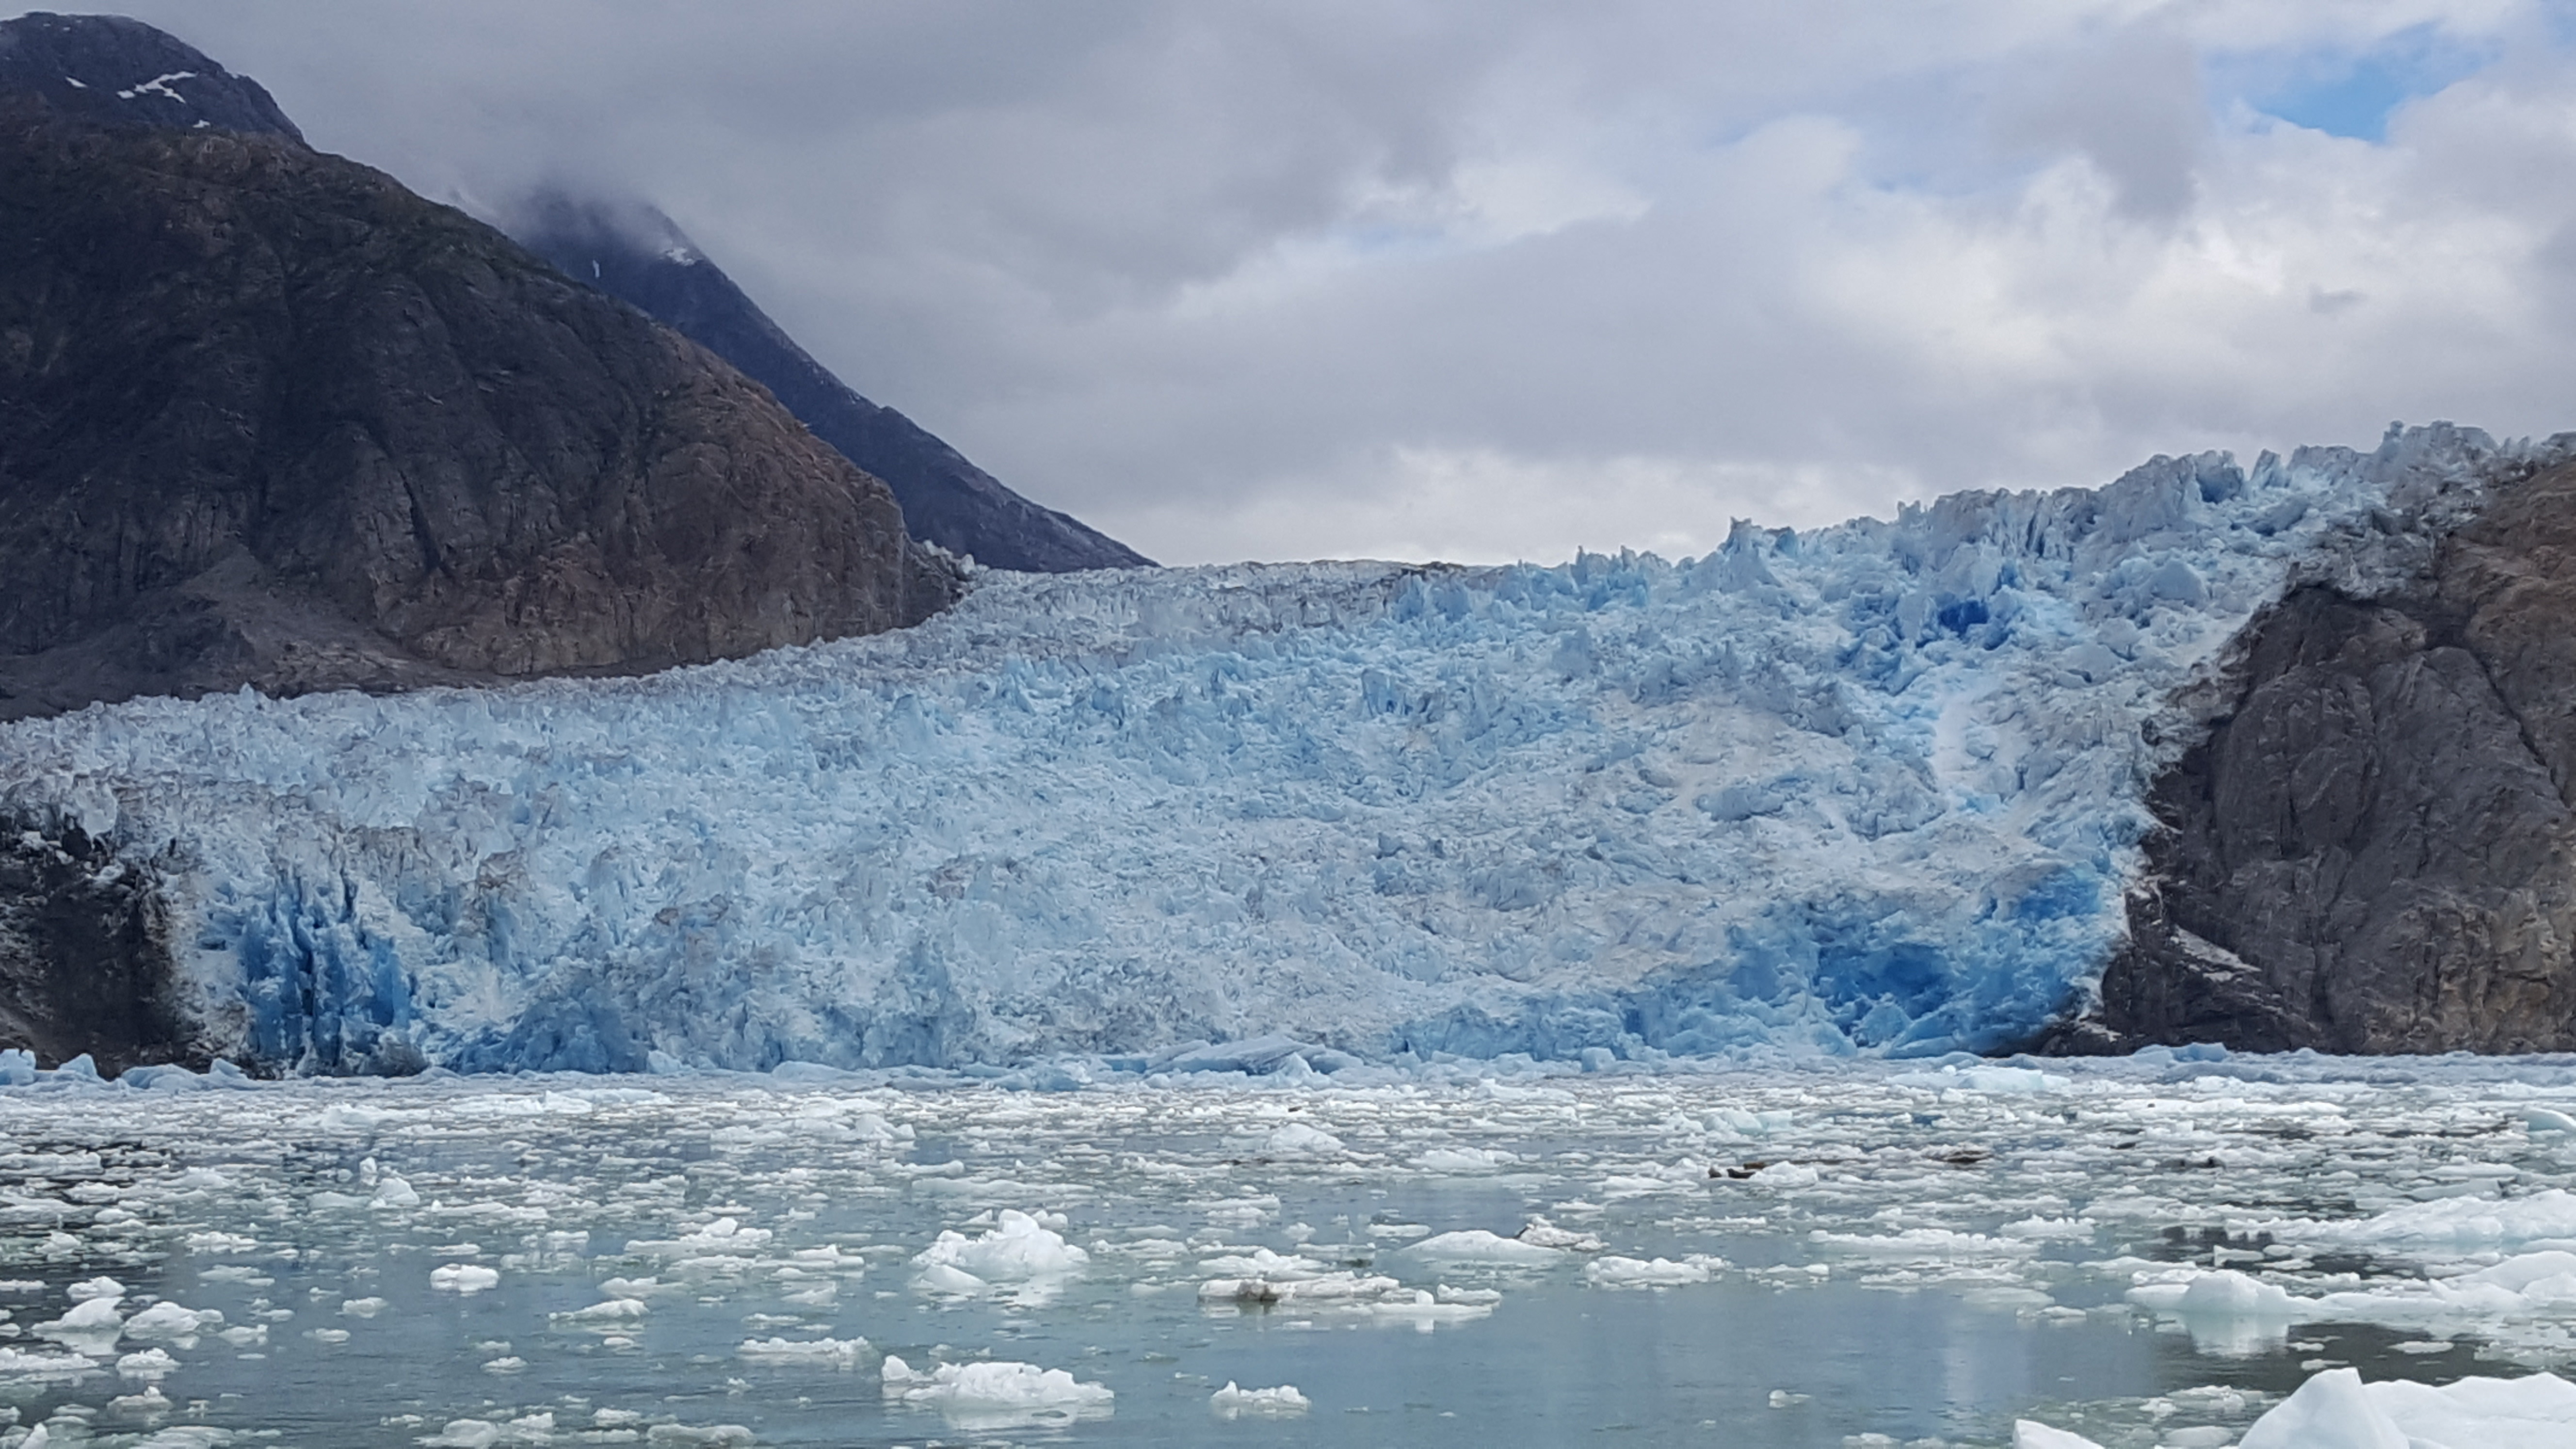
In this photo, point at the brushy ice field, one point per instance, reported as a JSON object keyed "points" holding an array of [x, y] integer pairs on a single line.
{"points": [[1872, 788], [2151, 1251]]}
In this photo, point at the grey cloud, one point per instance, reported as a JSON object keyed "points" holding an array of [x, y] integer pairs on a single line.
{"points": [[2129, 101], [1215, 277]]}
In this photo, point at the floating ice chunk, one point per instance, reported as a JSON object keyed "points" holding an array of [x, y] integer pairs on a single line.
{"points": [[2527, 1285], [1548, 1235], [463, 1277], [1242, 1212], [1614, 1271], [150, 1401], [2225, 1311], [2224, 1293], [2468, 1222], [817, 1352], [2028, 1434], [363, 1307], [1258, 1056], [1263, 1263], [2541, 1121], [1749, 1124], [1017, 1249], [2330, 1411], [1339, 1288], [359, 1117], [638, 1287], [185, 1436], [942, 1278], [1425, 1310], [1925, 1244], [2040, 1229], [1299, 1140], [465, 1434], [151, 1363], [83, 1291], [393, 1192], [722, 1237], [2535, 1412], [1787, 1175], [1465, 1159], [2526, 1272], [1478, 1246], [19, 1363], [995, 1391], [2014, 1081], [88, 1318], [169, 1320], [1231, 1402], [616, 1311], [712, 1436]]}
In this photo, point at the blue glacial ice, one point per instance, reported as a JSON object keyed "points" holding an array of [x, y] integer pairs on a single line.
{"points": [[1871, 788]]}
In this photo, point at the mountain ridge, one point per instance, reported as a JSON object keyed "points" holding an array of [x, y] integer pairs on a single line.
{"points": [[642, 257], [268, 418]]}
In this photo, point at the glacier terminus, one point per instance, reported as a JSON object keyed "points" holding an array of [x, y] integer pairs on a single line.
{"points": [[1869, 789]]}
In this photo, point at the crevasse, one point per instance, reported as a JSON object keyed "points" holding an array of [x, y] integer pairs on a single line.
{"points": [[1875, 787]]}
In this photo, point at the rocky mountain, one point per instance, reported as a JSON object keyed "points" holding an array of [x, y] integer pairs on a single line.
{"points": [[641, 256], [123, 72], [2373, 848], [268, 418]]}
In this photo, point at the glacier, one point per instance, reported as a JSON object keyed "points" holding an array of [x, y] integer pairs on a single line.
{"points": [[1875, 788]]}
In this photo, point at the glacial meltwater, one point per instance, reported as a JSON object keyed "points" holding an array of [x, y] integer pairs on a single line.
{"points": [[2149, 1251]]}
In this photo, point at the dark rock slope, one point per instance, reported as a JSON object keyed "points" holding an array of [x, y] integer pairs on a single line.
{"points": [[639, 255], [84, 953], [2374, 848], [268, 418]]}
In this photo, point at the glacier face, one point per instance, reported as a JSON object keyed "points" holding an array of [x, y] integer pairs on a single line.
{"points": [[1874, 787]]}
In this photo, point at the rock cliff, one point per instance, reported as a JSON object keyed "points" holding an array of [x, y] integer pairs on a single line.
{"points": [[2371, 849], [268, 418], [641, 256]]}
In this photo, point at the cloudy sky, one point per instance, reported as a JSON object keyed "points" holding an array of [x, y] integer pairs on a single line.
{"points": [[1496, 280]]}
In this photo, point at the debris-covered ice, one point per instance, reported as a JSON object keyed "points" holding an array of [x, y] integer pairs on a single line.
{"points": [[1870, 788]]}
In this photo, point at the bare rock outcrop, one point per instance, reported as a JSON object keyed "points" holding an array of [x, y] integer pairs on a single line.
{"points": [[2374, 849]]}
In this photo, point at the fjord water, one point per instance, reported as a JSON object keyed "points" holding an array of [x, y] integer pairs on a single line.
{"points": [[1924, 1255]]}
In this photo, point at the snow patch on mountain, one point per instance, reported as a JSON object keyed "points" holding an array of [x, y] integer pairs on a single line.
{"points": [[1873, 788]]}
